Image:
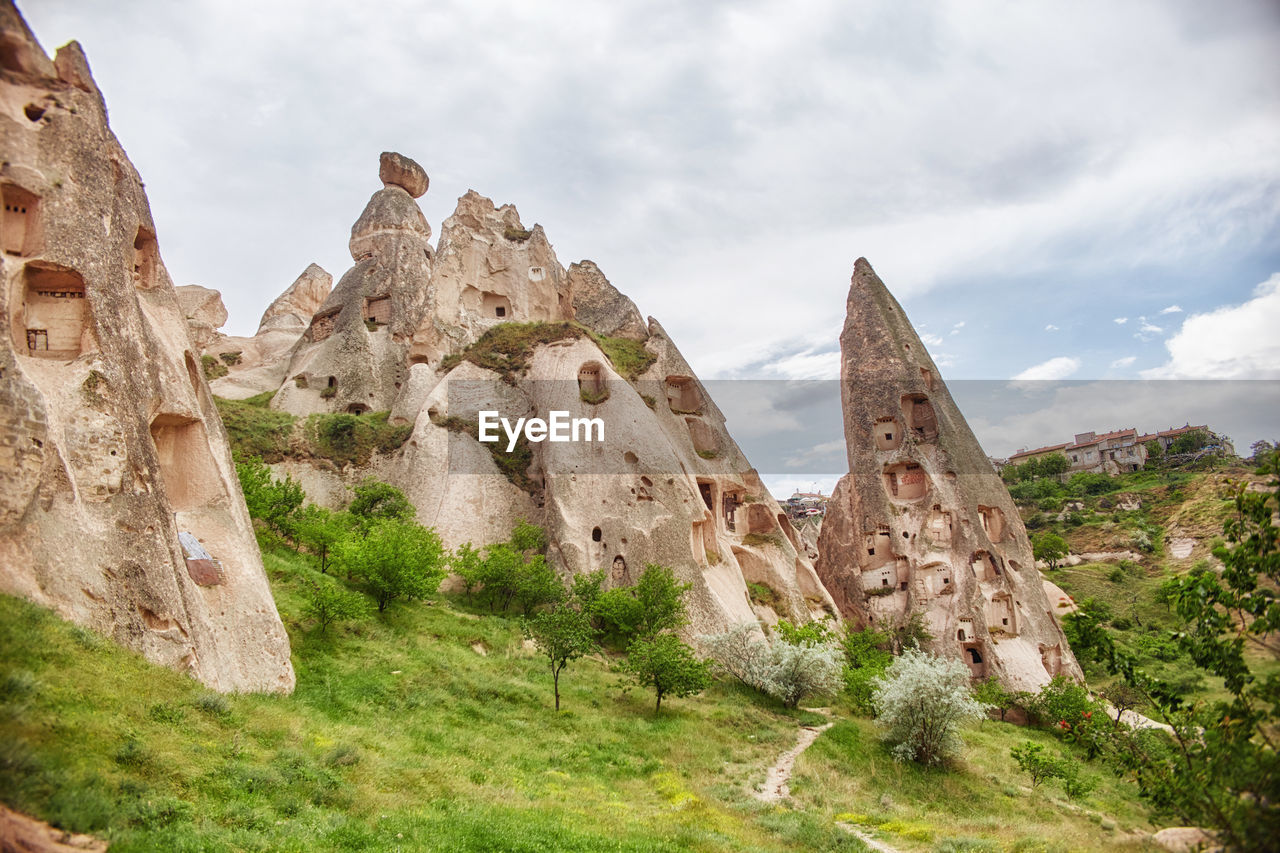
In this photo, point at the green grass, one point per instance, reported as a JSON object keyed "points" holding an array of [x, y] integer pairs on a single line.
{"points": [[401, 736], [849, 775], [507, 348], [213, 369], [257, 430]]}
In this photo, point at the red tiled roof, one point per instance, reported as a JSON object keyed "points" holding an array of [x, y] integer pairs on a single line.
{"points": [[1045, 449]]}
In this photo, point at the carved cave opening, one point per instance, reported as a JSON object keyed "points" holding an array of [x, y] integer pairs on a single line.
{"points": [[905, 481], [187, 467], [683, 395], [20, 229], [888, 435], [920, 416], [53, 317], [146, 259]]}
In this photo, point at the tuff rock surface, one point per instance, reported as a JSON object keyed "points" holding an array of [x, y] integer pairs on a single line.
{"points": [[382, 341], [922, 523], [119, 504]]}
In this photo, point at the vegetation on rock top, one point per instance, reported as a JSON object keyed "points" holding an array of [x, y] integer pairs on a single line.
{"points": [[258, 431]]}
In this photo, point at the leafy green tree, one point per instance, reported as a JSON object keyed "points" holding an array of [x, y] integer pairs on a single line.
{"points": [[563, 634], [810, 634], [921, 702], [1033, 760], [993, 694], [320, 529], [1155, 451], [1049, 547], [376, 501], [499, 575], [1220, 770], [616, 613], [667, 665], [537, 584], [866, 657], [1189, 442], [395, 559], [328, 601], [587, 588], [1053, 465], [271, 501], [661, 598], [527, 538], [465, 562]]}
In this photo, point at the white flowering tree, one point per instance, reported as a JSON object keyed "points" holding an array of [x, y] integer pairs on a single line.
{"points": [[785, 670], [921, 702]]}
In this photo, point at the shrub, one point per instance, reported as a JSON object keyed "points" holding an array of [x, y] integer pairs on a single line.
{"points": [[320, 530], [786, 671], [327, 601], [329, 392], [668, 666], [230, 358], [628, 357], [273, 502], [1049, 547], [396, 559], [213, 369], [1036, 763], [921, 702], [866, 656], [761, 594], [563, 634], [376, 501]]}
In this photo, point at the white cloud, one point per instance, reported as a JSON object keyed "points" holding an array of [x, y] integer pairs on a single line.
{"points": [[1147, 330], [1123, 362], [958, 326], [1121, 320], [1172, 309], [1055, 368], [930, 339], [1051, 328], [1231, 342]]}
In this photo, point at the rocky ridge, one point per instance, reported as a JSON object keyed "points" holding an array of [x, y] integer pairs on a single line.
{"points": [[119, 503]]}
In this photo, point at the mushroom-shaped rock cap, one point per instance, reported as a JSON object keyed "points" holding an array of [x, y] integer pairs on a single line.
{"points": [[397, 170]]}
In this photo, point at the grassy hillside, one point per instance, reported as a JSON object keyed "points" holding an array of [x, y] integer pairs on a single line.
{"points": [[1147, 513], [431, 728]]}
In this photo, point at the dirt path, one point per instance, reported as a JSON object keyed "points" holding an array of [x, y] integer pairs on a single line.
{"points": [[775, 787], [867, 839]]}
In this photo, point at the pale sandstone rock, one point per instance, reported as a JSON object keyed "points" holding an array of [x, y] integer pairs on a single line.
{"points": [[644, 496], [397, 170], [204, 311], [1185, 839], [922, 523], [22, 834], [111, 443]]}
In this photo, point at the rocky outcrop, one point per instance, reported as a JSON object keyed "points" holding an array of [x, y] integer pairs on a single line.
{"points": [[119, 504], [258, 364], [667, 485], [922, 523], [204, 311]]}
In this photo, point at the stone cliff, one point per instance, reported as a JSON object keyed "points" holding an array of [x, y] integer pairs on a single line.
{"points": [[922, 523], [119, 504], [405, 331]]}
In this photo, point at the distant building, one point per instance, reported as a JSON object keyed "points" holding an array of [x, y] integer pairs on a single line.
{"points": [[1115, 452]]}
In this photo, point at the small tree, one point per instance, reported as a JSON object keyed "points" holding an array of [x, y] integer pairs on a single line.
{"points": [[993, 694], [376, 501], [271, 501], [328, 602], [866, 656], [797, 671], [395, 559], [320, 529], [465, 562], [1036, 763], [661, 599], [537, 584], [921, 702], [1049, 547], [668, 666], [563, 634]]}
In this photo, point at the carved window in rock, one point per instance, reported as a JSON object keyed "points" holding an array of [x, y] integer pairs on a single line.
{"points": [[732, 500], [378, 310], [1001, 614], [706, 490], [187, 467], [146, 260], [20, 228], [985, 565], [703, 437], [322, 326], [992, 519], [591, 384], [920, 416], [877, 545], [888, 435], [683, 395], [905, 481], [618, 573], [495, 306], [54, 315], [596, 534], [939, 525], [965, 630], [926, 376], [977, 666]]}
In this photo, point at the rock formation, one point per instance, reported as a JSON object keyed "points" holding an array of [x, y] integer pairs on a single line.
{"points": [[119, 504], [256, 364], [922, 523], [668, 485]]}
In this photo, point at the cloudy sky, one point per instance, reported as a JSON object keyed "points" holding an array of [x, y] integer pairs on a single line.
{"points": [[1054, 191]]}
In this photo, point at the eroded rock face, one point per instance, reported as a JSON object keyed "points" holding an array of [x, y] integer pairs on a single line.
{"points": [[110, 445], [669, 485], [397, 170], [922, 522]]}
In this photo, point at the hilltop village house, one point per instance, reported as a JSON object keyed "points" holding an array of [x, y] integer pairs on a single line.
{"points": [[1113, 452]]}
